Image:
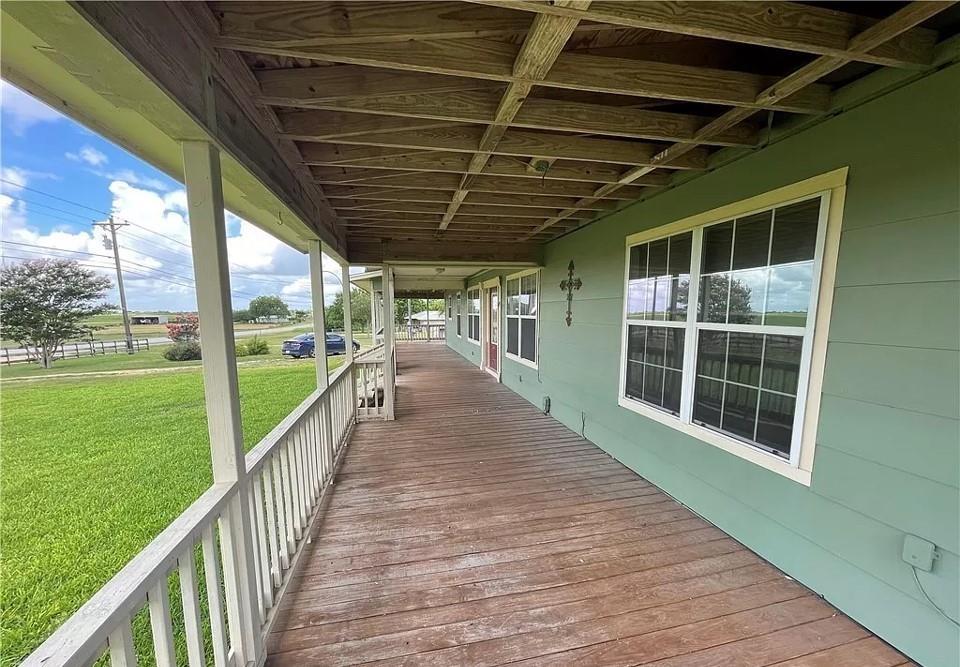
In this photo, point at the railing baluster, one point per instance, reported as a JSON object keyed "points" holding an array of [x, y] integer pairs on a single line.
{"points": [[266, 588], [211, 571], [193, 630], [289, 505], [274, 545], [257, 539], [310, 444], [122, 650], [283, 520], [159, 603]]}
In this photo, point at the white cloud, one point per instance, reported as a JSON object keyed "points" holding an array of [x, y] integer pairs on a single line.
{"points": [[133, 178], [90, 155], [21, 111], [158, 272]]}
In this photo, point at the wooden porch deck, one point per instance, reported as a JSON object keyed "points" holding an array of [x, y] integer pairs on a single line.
{"points": [[474, 530]]}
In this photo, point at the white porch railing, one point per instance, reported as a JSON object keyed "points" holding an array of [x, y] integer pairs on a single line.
{"points": [[288, 473]]}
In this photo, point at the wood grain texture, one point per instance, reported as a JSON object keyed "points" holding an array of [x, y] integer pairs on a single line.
{"points": [[475, 530]]}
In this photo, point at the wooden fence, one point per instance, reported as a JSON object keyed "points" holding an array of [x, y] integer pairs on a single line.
{"points": [[90, 348]]}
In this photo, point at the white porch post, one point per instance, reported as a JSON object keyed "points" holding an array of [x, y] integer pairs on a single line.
{"points": [[201, 162], [319, 319], [347, 312], [389, 371]]}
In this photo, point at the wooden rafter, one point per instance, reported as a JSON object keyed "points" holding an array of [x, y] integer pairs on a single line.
{"points": [[784, 25], [876, 35], [496, 184]]}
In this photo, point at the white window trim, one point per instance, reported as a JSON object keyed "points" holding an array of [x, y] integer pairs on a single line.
{"points": [[479, 289], [485, 288], [459, 314], [800, 467], [506, 316]]}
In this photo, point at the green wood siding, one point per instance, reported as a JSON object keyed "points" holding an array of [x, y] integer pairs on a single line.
{"points": [[888, 452]]}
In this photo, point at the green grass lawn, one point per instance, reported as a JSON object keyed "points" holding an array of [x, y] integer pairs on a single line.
{"points": [[93, 468]]}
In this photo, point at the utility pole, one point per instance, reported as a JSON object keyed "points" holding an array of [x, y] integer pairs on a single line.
{"points": [[111, 243]]}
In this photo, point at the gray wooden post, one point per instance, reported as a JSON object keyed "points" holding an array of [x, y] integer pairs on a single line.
{"points": [[389, 353], [201, 162], [347, 311]]}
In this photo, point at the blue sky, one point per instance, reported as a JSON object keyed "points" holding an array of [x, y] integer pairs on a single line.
{"points": [[58, 178]]}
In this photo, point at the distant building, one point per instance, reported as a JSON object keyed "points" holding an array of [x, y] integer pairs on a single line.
{"points": [[149, 319], [435, 316]]}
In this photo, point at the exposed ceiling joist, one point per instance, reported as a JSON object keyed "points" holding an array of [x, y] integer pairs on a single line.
{"points": [[877, 34], [516, 143], [784, 25]]}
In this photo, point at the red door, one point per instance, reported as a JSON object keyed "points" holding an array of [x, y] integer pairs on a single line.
{"points": [[493, 328]]}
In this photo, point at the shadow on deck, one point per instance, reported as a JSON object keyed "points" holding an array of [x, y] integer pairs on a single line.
{"points": [[474, 530]]}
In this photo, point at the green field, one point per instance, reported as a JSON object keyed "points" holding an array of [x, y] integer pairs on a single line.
{"points": [[93, 468], [152, 358]]}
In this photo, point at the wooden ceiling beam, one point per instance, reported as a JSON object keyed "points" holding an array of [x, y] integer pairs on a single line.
{"points": [[371, 159], [332, 125], [784, 25], [373, 251], [535, 114], [493, 61], [310, 86], [293, 24], [358, 198], [517, 143], [305, 87], [495, 184], [877, 34], [348, 209]]}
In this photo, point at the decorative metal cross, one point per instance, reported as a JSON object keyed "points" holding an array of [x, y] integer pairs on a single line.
{"points": [[568, 286]]}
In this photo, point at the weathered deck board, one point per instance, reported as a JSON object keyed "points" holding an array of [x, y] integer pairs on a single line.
{"points": [[476, 531]]}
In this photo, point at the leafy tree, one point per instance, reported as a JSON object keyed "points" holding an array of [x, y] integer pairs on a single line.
{"points": [[44, 302], [268, 306], [242, 315], [416, 306], [300, 315], [359, 311], [186, 329]]}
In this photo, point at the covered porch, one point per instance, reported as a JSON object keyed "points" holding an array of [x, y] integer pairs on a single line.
{"points": [[413, 510], [475, 530]]}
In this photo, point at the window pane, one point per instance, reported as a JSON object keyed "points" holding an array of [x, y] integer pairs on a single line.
{"points": [[788, 297], [513, 297], [707, 399], [636, 342], [795, 232], [752, 241], [674, 349], [747, 290], [656, 345], [680, 247], [781, 363], [634, 384], [717, 240], [712, 354], [528, 339], [653, 385], [528, 289], [739, 411], [775, 424], [679, 297], [662, 296], [636, 299], [714, 291], [671, 391], [658, 258], [743, 358], [638, 262], [513, 335]]}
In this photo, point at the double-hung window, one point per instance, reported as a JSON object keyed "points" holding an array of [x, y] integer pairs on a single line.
{"points": [[449, 307], [719, 324], [521, 309], [473, 314], [459, 303]]}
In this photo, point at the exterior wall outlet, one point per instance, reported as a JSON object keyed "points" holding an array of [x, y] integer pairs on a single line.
{"points": [[918, 552]]}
